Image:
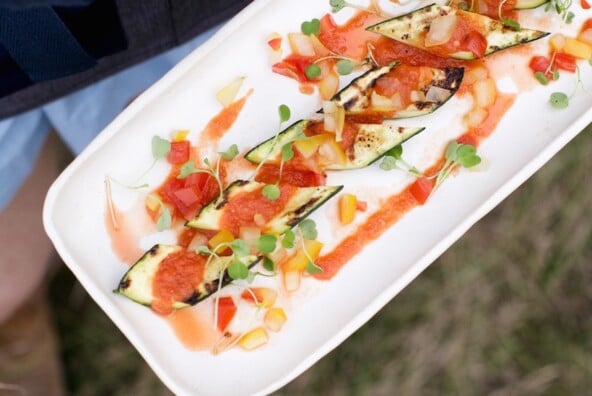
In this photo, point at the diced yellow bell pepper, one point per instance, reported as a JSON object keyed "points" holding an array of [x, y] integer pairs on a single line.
{"points": [[226, 95], [577, 48], [332, 152], [221, 237], [307, 147], [254, 339], [292, 280], [347, 208], [179, 136], [152, 203], [275, 318], [557, 42], [300, 259]]}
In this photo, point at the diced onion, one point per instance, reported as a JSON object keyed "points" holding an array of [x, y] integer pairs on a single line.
{"points": [[249, 234], [417, 96], [557, 42], [228, 93], [472, 75], [380, 101], [586, 36], [484, 91], [437, 94], [475, 117], [441, 30], [259, 219], [329, 85], [301, 44], [198, 240], [334, 118]]}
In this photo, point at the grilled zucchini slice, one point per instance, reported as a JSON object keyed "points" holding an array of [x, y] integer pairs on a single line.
{"points": [[371, 143], [411, 29], [137, 283], [358, 96], [302, 202], [528, 4]]}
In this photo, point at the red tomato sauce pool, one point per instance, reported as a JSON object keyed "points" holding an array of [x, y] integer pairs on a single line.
{"points": [[176, 279], [241, 209]]}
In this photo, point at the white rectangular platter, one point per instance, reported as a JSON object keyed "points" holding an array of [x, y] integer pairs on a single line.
{"points": [[325, 313]]}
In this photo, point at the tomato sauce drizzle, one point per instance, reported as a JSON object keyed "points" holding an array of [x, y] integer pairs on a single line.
{"points": [[396, 206]]}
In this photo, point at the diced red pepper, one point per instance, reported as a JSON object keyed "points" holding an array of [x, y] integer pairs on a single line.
{"points": [[226, 311], [565, 62], [187, 196], [293, 66], [421, 189], [585, 5], [269, 173], [476, 43], [539, 63], [179, 153], [275, 43]]}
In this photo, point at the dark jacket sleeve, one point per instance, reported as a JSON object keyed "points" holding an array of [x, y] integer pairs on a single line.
{"points": [[18, 4]]}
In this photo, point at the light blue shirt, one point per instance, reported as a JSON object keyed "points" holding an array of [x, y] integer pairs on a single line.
{"points": [[78, 117]]}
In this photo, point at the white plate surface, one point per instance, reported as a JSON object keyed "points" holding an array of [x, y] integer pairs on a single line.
{"points": [[325, 313]]}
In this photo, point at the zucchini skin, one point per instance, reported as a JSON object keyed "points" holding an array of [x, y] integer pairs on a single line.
{"points": [[529, 4], [136, 283], [271, 147], [408, 29]]}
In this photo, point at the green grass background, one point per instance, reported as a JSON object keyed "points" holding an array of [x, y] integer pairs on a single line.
{"points": [[506, 311]]}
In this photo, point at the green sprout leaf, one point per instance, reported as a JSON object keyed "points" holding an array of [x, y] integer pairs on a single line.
{"points": [[308, 228], [559, 100], [238, 270], [451, 149], [511, 23], [271, 191], [284, 112], [288, 239], [569, 17], [269, 264], [266, 243], [312, 71], [540, 76], [344, 67], [312, 268], [240, 248], [337, 5], [388, 163], [287, 152], [311, 27], [231, 153], [396, 152], [204, 250], [160, 147], [186, 169], [165, 219]]}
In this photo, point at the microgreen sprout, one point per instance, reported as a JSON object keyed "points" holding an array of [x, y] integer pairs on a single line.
{"points": [[165, 219], [560, 100], [540, 76], [393, 159], [312, 27], [230, 153], [561, 7], [307, 230], [267, 243], [508, 22], [160, 147], [344, 65], [189, 168], [338, 5], [457, 154], [288, 239], [272, 191]]}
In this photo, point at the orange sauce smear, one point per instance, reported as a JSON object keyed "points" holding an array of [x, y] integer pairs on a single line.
{"points": [[193, 327]]}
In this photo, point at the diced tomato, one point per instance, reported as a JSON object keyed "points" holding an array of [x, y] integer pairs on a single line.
{"points": [[275, 43], [467, 139], [586, 25], [179, 152], [187, 196], [476, 43], [293, 66], [269, 173], [421, 189], [565, 62], [361, 206], [539, 63], [226, 311], [585, 5]]}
